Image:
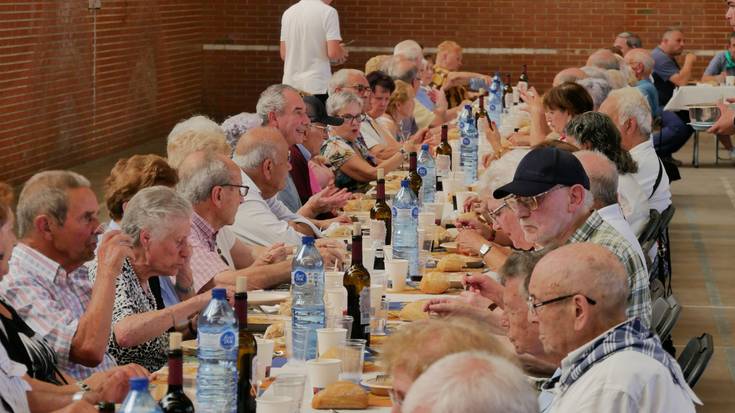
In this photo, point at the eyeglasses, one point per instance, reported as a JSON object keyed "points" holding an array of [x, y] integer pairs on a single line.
{"points": [[318, 128], [361, 88], [349, 118], [495, 213], [530, 203], [533, 307], [243, 189]]}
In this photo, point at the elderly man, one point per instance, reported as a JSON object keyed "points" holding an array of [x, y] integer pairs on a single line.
{"points": [[667, 75], [627, 41], [436, 339], [628, 110], [47, 283], [604, 59], [447, 76], [603, 176], [310, 41], [550, 194], [471, 382], [611, 362], [410, 50], [641, 63], [281, 107], [570, 74], [213, 185]]}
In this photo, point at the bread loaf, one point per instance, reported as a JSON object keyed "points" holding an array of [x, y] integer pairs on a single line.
{"points": [[341, 395], [434, 283], [413, 311]]}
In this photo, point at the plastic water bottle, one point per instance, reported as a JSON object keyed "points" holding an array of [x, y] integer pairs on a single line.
{"points": [[495, 100], [139, 400], [468, 151], [464, 116], [217, 353], [427, 170], [307, 295], [405, 228]]}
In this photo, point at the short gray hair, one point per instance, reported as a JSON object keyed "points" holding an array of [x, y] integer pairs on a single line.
{"points": [[196, 183], [643, 57], [339, 79], [153, 209], [520, 265], [597, 88], [398, 70], [630, 103], [272, 99], [45, 193], [198, 124], [236, 125], [603, 176], [339, 100], [410, 49], [471, 382], [258, 152]]}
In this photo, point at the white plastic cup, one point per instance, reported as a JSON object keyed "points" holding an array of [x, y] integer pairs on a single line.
{"points": [[328, 338], [397, 271], [427, 219], [387, 252], [437, 209], [730, 81], [265, 354], [322, 373], [274, 404]]}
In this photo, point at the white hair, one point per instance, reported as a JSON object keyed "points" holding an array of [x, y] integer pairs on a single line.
{"points": [[410, 49], [597, 88], [643, 57], [339, 79], [630, 103], [471, 382], [339, 100], [154, 209], [236, 125], [616, 78], [257, 154], [501, 171], [272, 99], [593, 71], [198, 124], [196, 181]]}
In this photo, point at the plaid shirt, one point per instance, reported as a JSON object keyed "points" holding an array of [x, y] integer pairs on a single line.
{"points": [[51, 302], [596, 231], [205, 261]]}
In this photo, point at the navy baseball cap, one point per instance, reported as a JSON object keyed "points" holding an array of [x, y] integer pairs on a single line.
{"points": [[318, 113], [542, 169]]}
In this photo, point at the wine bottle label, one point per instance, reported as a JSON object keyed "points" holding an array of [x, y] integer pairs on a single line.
{"points": [[226, 340], [365, 306], [508, 100], [443, 163]]}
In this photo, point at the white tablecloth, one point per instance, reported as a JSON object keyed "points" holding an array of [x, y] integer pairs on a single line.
{"points": [[695, 95]]}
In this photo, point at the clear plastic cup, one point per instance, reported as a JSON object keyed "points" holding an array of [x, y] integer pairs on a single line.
{"points": [[352, 354], [328, 338], [379, 318], [291, 385], [274, 404]]}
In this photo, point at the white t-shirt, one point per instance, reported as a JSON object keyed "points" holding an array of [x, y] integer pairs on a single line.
{"points": [[633, 202], [305, 28], [648, 166]]}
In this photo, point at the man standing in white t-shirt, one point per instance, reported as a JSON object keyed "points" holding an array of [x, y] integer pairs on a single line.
{"points": [[310, 40]]}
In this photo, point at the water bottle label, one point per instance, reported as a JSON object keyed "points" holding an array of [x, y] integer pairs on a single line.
{"points": [[465, 141], [401, 212], [421, 170], [493, 107], [365, 306], [299, 278], [415, 212], [224, 341]]}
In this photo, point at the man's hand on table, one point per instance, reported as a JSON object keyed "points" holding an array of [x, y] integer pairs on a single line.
{"points": [[274, 254], [725, 125]]}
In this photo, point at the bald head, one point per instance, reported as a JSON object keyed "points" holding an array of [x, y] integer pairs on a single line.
{"points": [[604, 59], [570, 74], [258, 144], [603, 176]]}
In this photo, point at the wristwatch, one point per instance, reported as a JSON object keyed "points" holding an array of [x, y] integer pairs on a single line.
{"points": [[78, 396], [484, 249]]}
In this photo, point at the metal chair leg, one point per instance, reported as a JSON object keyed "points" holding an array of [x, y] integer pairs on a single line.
{"points": [[695, 150]]}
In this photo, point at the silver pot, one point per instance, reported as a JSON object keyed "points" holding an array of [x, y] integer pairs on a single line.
{"points": [[703, 113]]}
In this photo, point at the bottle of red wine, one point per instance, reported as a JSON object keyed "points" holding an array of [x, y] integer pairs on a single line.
{"points": [[247, 348], [357, 283], [175, 400]]}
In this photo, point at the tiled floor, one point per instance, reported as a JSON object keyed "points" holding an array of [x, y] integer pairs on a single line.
{"points": [[703, 247]]}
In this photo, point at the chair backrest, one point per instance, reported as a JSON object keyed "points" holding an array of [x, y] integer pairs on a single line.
{"points": [[650, 231], [665, 314], [666, 217], [695, 357]]}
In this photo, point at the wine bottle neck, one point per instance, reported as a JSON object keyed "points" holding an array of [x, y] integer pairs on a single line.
{"points": [[175, 370], [357, 249], [380, 190], [412, 163], [241, 309]]}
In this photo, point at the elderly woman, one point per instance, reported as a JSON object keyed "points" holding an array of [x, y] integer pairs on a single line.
{"points": [[128, 176], [195, 134], [559, 105], [158, 221], [399, 110], [345, 150], [596, 131]]}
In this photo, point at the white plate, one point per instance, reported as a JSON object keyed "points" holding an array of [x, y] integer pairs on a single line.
{"points": [[449, 246], [262, 297]]}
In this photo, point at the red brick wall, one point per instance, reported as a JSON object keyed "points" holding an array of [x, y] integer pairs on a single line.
{"points": [[71, 92], [574, 28]]}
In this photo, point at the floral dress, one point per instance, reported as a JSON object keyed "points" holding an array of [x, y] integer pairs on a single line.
{"points": [[337, 151], [131, 298]]}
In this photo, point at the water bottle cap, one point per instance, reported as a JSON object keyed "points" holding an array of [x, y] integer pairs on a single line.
{"points": [[307, 240], [219, 293], [139, 384], [424, 146], [404, 183]]}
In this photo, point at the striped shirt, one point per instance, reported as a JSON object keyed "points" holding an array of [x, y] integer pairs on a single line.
{"points": [[51, 301], [206, 258], [599, 232]]}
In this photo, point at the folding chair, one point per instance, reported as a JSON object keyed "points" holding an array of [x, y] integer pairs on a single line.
{"points": [[695, 357], [666, 312]]}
